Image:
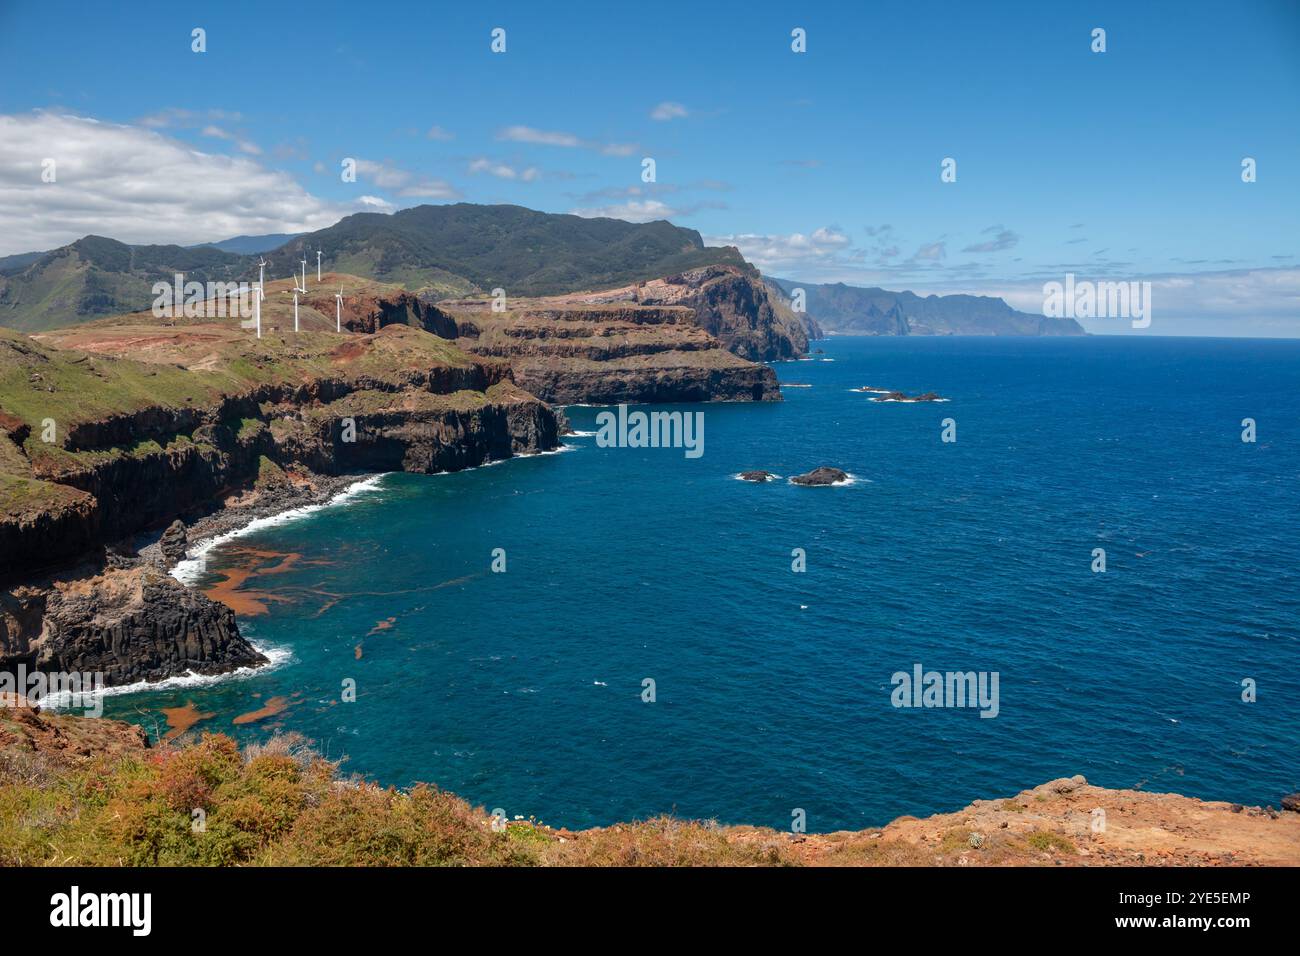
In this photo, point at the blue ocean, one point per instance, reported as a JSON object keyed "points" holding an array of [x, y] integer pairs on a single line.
{"points": [[525, 690]]}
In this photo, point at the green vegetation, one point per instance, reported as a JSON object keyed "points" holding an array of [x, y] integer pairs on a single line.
{"points": [[440, 251], [465, 247], [1049, 842], [95, 276], [269, 474], [281, 804], [61, 408], [70, 387]]}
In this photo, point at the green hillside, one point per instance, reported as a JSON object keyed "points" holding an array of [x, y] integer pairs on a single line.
{"points": [[95, 276], [440, 251]]}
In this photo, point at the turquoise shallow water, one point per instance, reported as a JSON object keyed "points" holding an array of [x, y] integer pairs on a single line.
{"points": [[523, 690]]}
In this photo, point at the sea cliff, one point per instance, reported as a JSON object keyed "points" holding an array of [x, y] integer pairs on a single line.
{"points": [[113, 431]]}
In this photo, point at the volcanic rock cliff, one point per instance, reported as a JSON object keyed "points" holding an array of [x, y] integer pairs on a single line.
{"points": [[114, 428], [730, 302], [117, 428], [608, 354], [593, 347]]}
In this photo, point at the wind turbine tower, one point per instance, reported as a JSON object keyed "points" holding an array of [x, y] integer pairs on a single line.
{"points": [[338, 310], [318, 265], [296, 291]]}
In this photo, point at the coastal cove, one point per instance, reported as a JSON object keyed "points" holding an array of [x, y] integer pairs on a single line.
{"points": [[524, 690]]}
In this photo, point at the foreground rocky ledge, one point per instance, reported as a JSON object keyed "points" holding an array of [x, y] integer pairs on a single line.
{"points": [[279, 803]]}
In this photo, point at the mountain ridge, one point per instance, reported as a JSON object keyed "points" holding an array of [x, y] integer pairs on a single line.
{"points": [[855, 310], [446, 250]]}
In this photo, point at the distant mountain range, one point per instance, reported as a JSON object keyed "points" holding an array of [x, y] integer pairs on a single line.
{"points": [[451, 250], [465, 249], [96, 276], [849, 310], [252, 245]]}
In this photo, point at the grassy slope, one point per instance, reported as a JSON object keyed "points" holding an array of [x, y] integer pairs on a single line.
{"points": [[281, 804], [440, 251], [88, 374], [96, 276]]}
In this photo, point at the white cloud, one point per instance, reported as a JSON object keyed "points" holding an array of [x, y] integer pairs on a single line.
{"points": [[404, 182], [634, 210], [931, 252], [503, 170], [776, 254], [191, 119], [619, 149], [439, 134], [669, 111], [528, 134], [1251, 301], [542, 137], [244, 145], [187, 119], [1003, 238], [137, 185]]}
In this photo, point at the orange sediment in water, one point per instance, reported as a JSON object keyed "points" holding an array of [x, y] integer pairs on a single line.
{"points": [[181, 719], [252, 563], [272, 707]]}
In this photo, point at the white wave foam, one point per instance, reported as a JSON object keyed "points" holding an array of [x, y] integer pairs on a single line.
{"points": [[276, 657], [188, 570]]}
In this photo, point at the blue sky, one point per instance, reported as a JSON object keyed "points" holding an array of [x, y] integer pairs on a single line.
{"points": [[821, 166]]}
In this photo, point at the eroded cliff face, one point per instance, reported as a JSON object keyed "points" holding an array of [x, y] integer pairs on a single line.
{"points": [[691, 337], [732, 305], [207, 413], [126, 624], [141, 470], [735, 307], [609, 353]]}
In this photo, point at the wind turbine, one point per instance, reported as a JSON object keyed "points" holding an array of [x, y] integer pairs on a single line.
{"points": [[261, 278], [296, 291], [317, 265], [338, 310], [304, 274]]}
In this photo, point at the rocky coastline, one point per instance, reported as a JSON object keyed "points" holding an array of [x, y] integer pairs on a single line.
{"points": [[194, 428], [206, 432]]}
